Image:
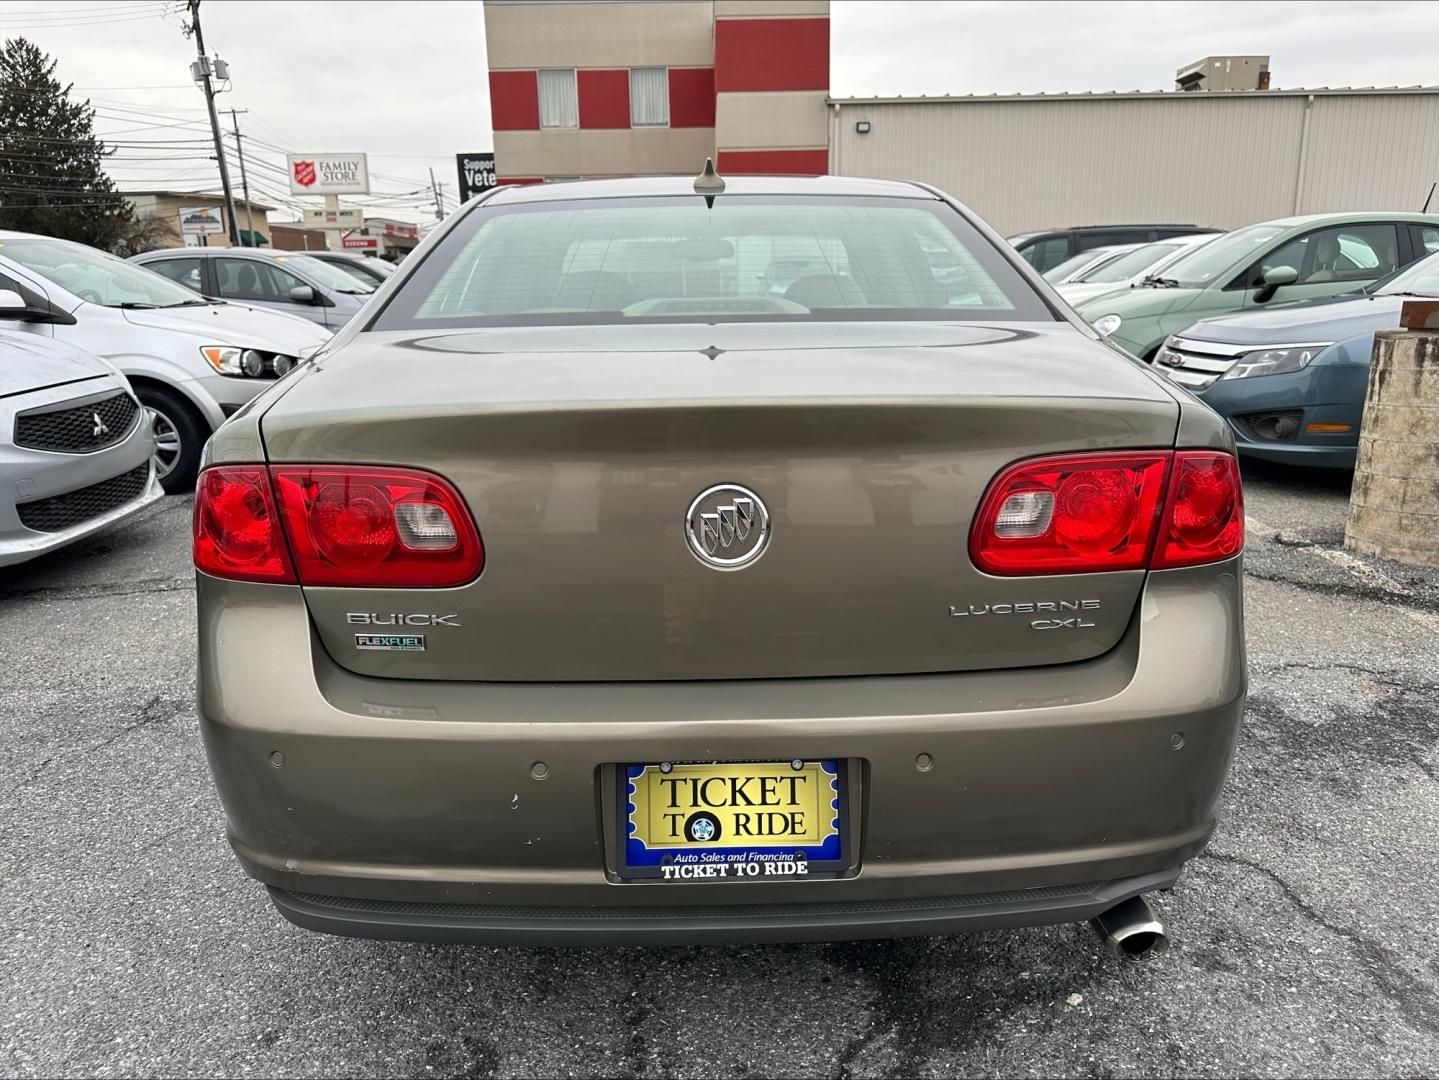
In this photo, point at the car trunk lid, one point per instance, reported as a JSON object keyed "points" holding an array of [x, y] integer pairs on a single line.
{"points": [[580, 451]]}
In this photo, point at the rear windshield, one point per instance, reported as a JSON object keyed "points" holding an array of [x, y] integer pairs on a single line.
{"points": [[745, 259]]}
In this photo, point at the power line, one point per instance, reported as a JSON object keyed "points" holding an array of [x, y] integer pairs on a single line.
{"points": [[69, 9], [138, 17]]}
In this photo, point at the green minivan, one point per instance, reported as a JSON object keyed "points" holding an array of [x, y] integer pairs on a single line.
{"points": [[1296, 258]]}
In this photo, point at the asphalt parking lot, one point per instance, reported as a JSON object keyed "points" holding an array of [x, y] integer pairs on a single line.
{"points": [[1306, 939]]}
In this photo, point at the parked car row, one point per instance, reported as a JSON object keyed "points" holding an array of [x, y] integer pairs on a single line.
{"points": [[295, 283], [1129, 266], [1246, 320], [112, 377], [1046, 250]]}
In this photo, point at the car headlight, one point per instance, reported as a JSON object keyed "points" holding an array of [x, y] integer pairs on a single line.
{"points": [[247, 363], [1273, 361], [1107, 324]]}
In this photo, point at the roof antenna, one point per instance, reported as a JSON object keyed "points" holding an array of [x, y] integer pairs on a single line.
{"points": [[709, 183]]}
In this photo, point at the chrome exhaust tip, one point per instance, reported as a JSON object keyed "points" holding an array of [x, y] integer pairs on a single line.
{"points": [[1131, 932]]}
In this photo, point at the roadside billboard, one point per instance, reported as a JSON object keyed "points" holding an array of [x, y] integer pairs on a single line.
{"points": [[328, 174], [201, 221]]}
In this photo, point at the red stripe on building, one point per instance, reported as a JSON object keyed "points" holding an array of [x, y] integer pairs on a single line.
{"points": [[771, 54], [692, 97], [775, 162], [514, 101], [519, 180], [604, 98]]}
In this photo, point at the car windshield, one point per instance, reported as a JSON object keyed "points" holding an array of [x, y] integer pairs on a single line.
{"points": [[746, 258], [95, 276], [1129, 264], [1420, 278], [354, 269], [328, 275], [1073, 263], [1233, 251]]}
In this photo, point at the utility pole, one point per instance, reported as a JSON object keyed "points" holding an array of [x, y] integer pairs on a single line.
{"points": [[434, 190], [203, 69], [244, 181]]}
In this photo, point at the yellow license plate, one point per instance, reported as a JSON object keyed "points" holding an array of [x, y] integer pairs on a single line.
{"points": [[732, 819]]}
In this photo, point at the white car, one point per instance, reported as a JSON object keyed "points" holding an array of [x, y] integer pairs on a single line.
{"points": [[192, 361], [1075, 265], [75, 450], [1129, 268]]}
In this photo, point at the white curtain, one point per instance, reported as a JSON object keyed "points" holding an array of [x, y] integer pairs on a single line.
{"points": [[559, 105], [649, 97]]}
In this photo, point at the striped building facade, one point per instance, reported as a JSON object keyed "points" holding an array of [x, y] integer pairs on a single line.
{"points": [[593, 88]]}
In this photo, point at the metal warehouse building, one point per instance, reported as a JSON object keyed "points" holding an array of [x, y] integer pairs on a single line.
{"points": [[1221, 158]]}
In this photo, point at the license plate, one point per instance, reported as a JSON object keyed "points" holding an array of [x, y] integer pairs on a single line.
{"points": [[733, 821]]}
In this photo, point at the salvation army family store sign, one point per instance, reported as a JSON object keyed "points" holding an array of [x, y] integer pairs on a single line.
{"points": [[328, 174]]}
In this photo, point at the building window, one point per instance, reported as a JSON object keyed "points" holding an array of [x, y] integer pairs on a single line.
{"points": [[649, 97], [559, 103]]}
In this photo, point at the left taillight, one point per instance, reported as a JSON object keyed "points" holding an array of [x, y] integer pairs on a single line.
{"points": [[351, 526], [365, 527], [237, 531]]}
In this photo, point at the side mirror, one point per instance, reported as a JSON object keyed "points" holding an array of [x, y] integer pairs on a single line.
{"points": [[1274, 278], [12, 305], [302, 294]]}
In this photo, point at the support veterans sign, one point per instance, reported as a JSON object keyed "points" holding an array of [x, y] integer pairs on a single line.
{"points": [[477, 174]]}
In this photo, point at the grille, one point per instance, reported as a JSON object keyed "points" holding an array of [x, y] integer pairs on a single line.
{"points": [[71, 430], [61, 511]]}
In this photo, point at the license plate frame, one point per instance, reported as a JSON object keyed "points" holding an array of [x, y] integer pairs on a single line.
{"points": [[776, 860]]}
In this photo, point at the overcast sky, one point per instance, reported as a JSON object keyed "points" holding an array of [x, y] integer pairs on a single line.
{"points": [[405, 81]]}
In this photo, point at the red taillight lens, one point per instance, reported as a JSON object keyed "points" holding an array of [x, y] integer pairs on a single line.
{"points": [[346, 525], [237, 532], [1082, 513], [1204, 515], [1070, 515], [377, 528]]}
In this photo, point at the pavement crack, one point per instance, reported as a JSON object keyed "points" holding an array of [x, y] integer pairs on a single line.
{"points": [[1336, 590], [159, 709], [1383, 676], [1414, 999], [852, 1049], [112, 589]]}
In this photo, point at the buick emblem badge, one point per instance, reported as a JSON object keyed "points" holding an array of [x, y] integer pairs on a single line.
{"points": [[727, 527]]}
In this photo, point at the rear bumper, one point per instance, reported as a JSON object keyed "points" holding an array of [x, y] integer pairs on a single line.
{"points": [[394, 792], [735, 924]]}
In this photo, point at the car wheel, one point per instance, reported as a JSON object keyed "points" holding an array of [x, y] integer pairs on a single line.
{"points": [[179, 436]]}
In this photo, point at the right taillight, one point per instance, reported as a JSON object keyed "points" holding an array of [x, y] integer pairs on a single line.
{"points": [[1088, 513], [344, 525], [1204, 513]]}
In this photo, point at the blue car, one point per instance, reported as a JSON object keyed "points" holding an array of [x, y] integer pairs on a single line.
{"points": [[1291, 379]]}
